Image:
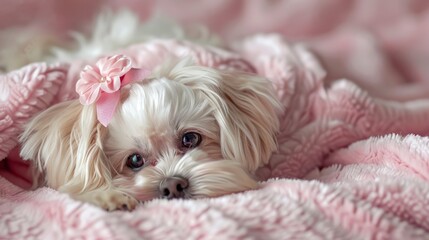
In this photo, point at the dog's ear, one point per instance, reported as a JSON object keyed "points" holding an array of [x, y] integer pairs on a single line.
{"points": [[248, 120], [245, 107], [65, 144]]}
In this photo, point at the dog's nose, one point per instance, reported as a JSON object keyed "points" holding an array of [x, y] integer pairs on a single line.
{"points": [[173, 187]]}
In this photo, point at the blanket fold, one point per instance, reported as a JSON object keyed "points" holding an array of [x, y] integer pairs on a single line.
{"points": [[24, 93]]}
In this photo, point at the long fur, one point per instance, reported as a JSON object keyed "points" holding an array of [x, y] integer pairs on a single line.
{"points": [[245, 107], [65, 144], [234, 112]]}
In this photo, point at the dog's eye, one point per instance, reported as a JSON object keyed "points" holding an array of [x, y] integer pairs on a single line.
{"points": [[135, 161], [191, 140]]}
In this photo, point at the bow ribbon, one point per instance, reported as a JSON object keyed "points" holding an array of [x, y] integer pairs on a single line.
{"points": [[101, 84]]}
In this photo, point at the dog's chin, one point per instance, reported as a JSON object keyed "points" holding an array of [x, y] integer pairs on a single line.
{"points": [[206, 177]]}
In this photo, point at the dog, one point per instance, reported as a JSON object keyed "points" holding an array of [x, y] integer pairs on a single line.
{"points": [[180, 131]]}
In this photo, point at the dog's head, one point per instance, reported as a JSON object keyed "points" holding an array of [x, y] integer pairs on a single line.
{"points": [[188, 131]]}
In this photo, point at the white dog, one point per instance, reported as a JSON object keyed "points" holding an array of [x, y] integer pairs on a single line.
{"points": [[184, 131]]}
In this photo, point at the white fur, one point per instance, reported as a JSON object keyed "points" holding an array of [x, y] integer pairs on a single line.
{"points": [[234, 112]]}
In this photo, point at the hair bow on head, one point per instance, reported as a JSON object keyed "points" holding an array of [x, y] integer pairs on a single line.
{"points": [[101, 84]]}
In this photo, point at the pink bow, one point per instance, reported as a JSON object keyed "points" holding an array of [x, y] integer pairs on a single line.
{"points": [[102, 83]]}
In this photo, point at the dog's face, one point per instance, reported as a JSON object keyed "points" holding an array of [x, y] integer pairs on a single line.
{"points": [[166, 139], [163, 142], [188, 132]]}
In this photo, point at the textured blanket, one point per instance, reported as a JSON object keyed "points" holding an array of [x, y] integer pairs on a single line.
{"points": [[353, 157], [376, 188]]}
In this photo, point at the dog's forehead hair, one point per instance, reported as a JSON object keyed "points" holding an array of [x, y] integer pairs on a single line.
{"points": [[152, 133], [155, 113], [159, 139]]}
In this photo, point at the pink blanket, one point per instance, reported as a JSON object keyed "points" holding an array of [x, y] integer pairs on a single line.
{"points": [[348, 165]]}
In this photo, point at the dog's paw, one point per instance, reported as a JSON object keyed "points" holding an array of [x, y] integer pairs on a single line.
{"points": [[113, 200], [109, 200]]}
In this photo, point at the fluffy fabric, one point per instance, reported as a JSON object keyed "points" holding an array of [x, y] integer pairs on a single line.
{"points": [[24, 93], [349, 188], [335, 182]]}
